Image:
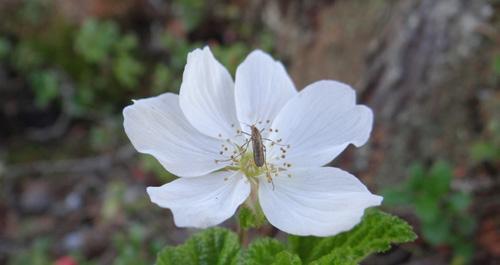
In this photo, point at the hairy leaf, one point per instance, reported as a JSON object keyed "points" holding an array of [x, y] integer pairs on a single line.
{"points": [[375, 233], [215, 246], [263, 251]]}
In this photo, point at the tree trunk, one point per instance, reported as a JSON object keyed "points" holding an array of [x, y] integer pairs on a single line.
{"points": [[414, 62]]}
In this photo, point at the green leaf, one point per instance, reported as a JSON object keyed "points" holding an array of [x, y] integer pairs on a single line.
{"points": [[214, 246], [95, 40], [460, 201], [263, 251], [248, 218], [484, 151], [416, 181], [286, 258], [496, 64], [437, 232], [162, 78], [426, 208], [46, 87], [127, 70], [337, 258], [5, 47], [395, 197], [376, 233], [441, 174]]}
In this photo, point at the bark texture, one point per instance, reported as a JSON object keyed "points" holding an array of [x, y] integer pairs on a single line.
{"points": [[412, 61]]}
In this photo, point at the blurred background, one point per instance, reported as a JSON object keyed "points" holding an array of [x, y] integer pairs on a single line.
{"points": [[72, 189]]}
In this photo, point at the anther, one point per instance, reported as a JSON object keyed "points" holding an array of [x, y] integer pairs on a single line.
{"points": [[225, 148], [268, 121], [289, 165], [220, 135], [220, 153], [275, 130], [282, 156], [271, 130]]}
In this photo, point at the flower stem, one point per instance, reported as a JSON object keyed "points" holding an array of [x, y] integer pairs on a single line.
{"points": [[243, 235]]}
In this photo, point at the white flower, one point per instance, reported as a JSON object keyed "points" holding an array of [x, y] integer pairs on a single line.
{"points": [[202, 133]]}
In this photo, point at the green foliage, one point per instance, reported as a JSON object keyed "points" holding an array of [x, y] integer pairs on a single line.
{"points": [[38, 254], [249, 218], [375, 233], [215, 246], [162, 79], [442, 212], [496, 64], [130, 247], [5, 47], [263, 251], [46, 87], [485, 151], [231, 56], [286, 258], [150, 165], [95, 40], [100, 42], [190, 12]]}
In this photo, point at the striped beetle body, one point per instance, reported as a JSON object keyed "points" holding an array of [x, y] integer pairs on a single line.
{"points": [[257, 146]]}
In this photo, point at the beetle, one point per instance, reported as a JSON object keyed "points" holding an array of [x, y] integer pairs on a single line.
{"points": [[259, 151]]}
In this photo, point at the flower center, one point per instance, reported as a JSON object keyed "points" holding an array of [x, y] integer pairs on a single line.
{"points": [[243, 159], [248, 167]]}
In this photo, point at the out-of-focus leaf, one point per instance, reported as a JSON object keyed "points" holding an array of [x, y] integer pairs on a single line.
{"points": [[427, 208], [5, 48], [440, 178], [483, 151], [46, 87], [162, 79], [437, 232], [397, 197], [95, 40], [496, 64], [460, 201], [127, 70], [417, 177]]}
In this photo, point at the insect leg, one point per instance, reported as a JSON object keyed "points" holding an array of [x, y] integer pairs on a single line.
{"points": [[268, 174]]}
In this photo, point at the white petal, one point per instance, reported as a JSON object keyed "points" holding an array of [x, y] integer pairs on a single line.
{"points": [[158, 127], [321, 201], [203, 201], [207, 95], [262, 88], [319, 123]]}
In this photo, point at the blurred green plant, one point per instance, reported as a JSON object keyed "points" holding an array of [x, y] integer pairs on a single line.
{"points": [[38, 254], [496, 64], [443, 212], [133, 248]]}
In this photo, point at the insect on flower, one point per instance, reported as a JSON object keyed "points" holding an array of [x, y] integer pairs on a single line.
{"points": [[198, 136]]}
